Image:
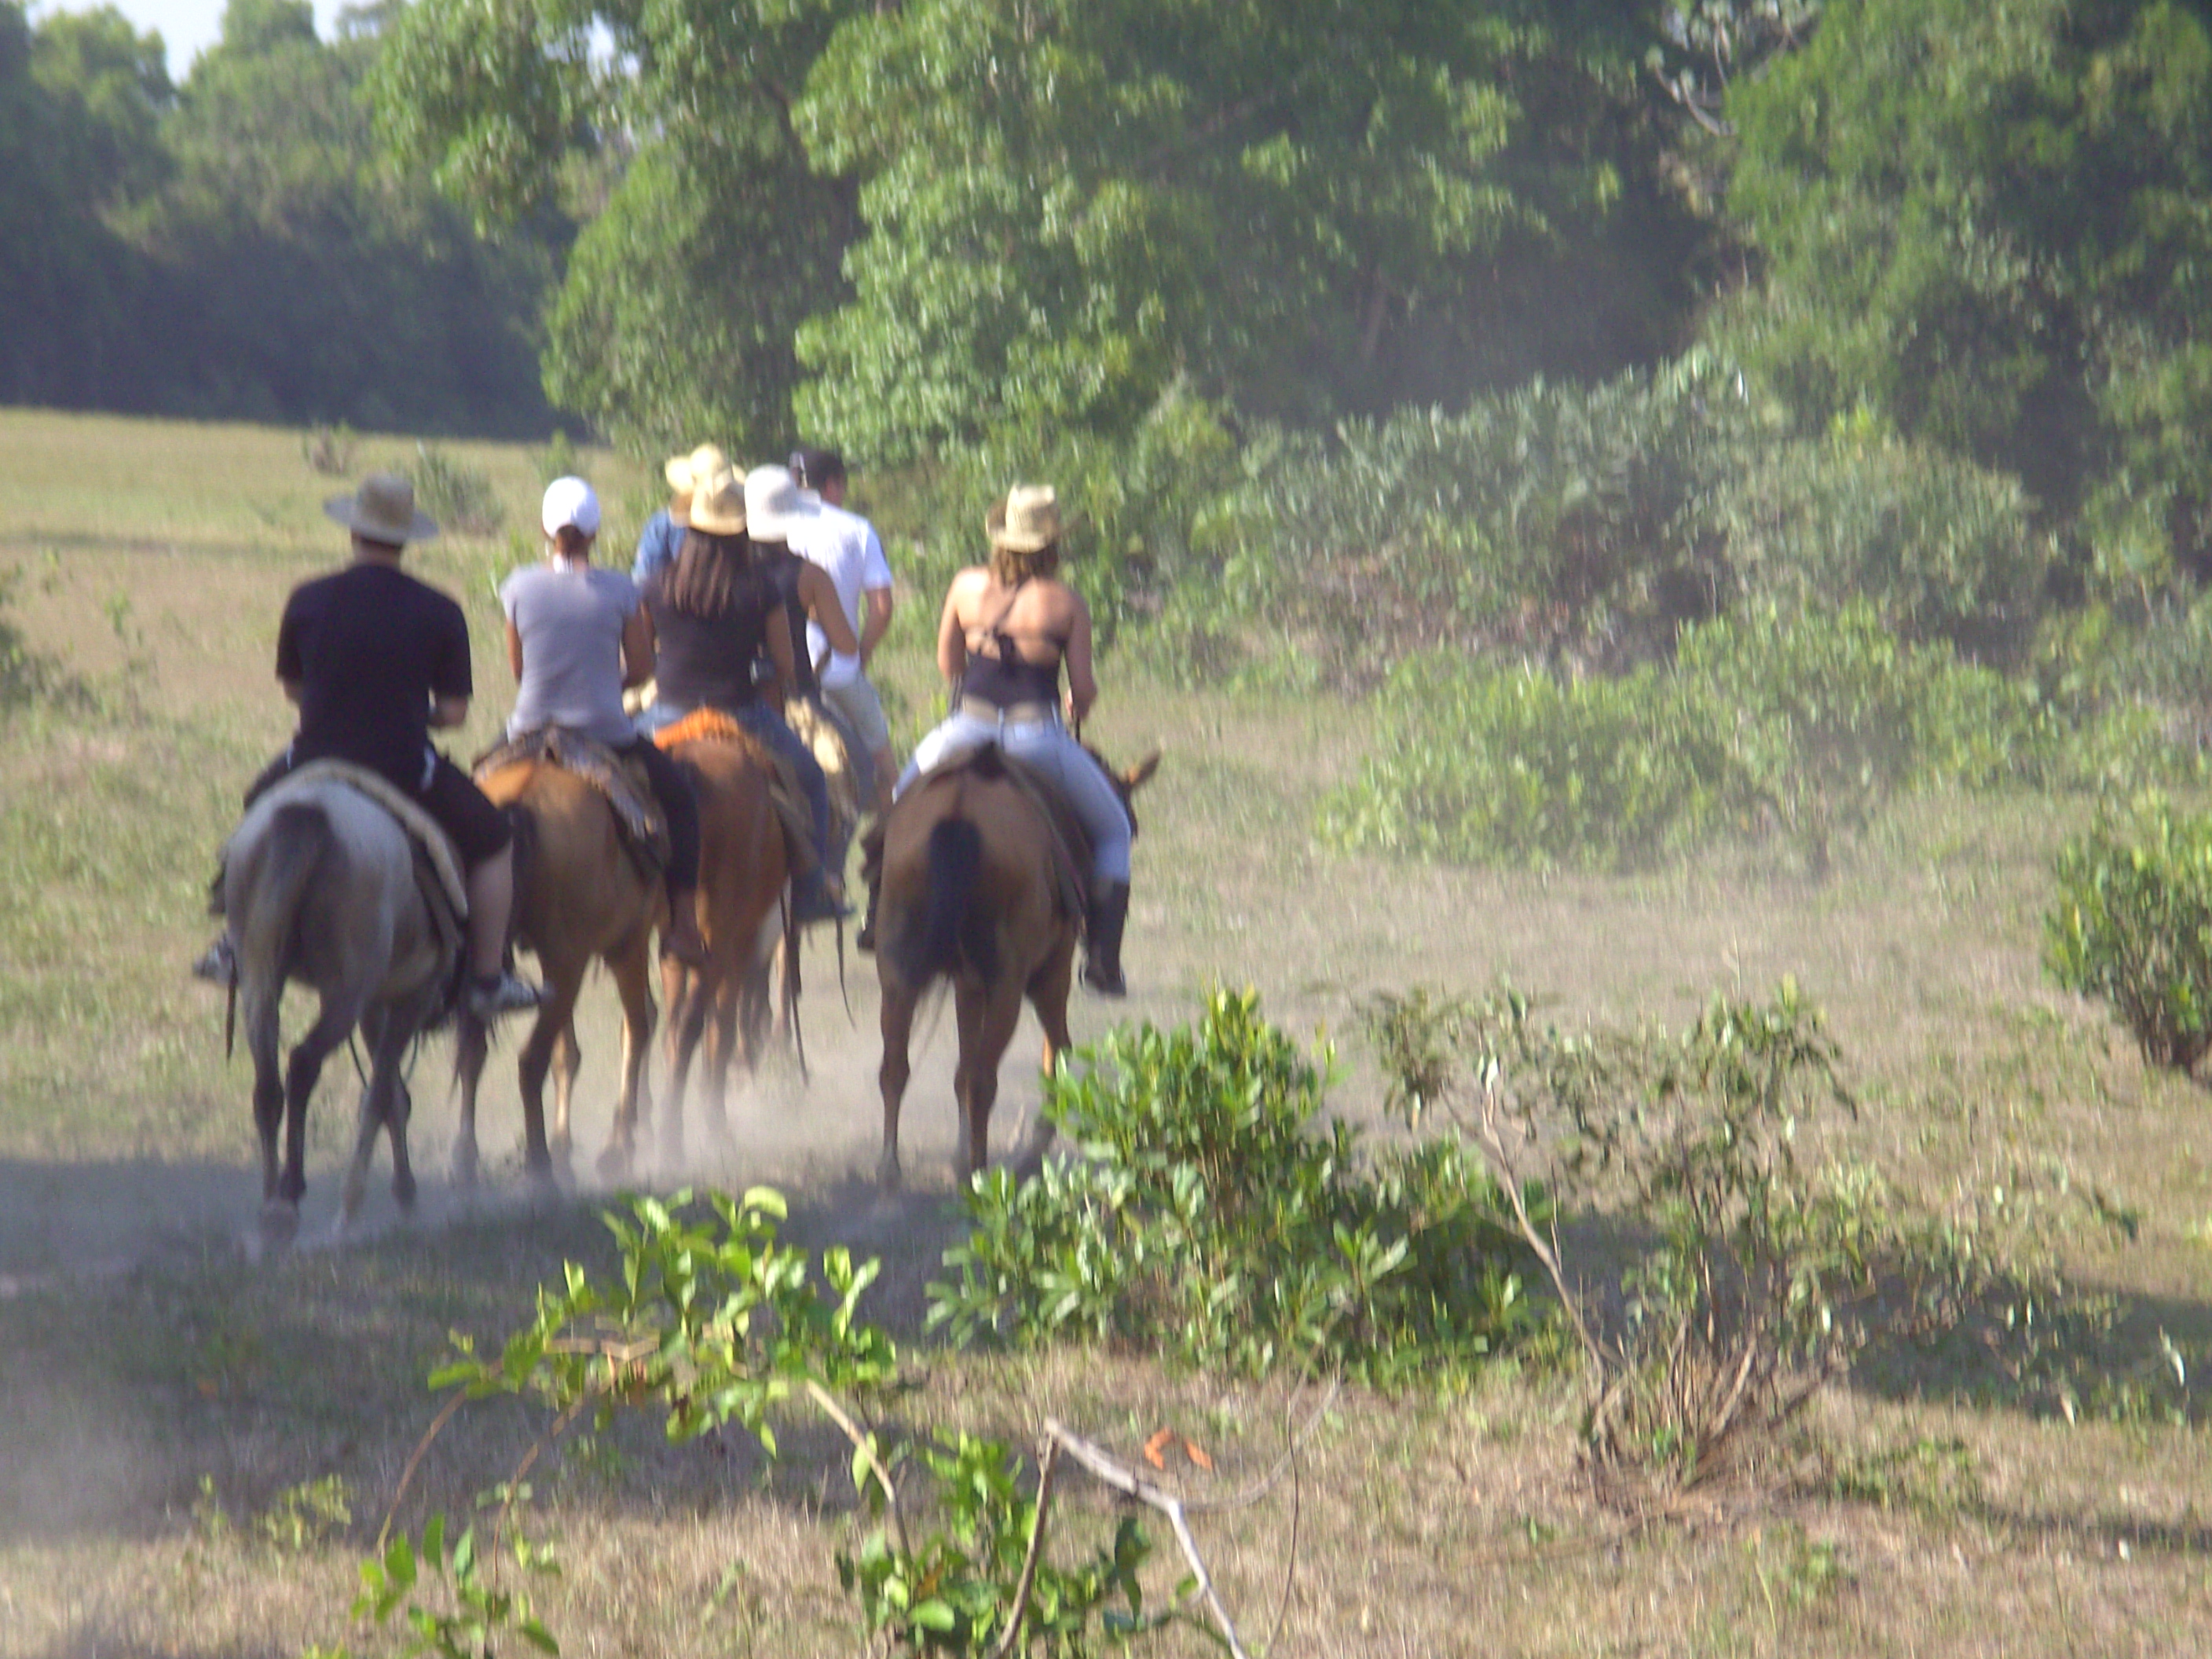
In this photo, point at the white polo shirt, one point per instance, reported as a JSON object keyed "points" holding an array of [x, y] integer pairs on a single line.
{"points": [[847, 546]]}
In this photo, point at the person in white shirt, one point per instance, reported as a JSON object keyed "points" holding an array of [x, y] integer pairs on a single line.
{"points": [[847, 547]]}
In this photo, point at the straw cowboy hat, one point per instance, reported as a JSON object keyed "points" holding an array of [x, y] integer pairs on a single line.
{"points": [[685, 473], [1027, 521], [776, 505], [382, 510], [718, 505]]}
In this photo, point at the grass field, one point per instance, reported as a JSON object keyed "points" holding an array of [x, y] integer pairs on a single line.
{"points": [[166, 1401]]}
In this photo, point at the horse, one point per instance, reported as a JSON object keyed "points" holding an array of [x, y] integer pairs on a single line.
{"points": [[742, 868], [319, 888], [970, 892], [579, 894]]}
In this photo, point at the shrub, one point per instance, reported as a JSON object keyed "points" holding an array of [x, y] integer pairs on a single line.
{"points": [[1211, 1215], [458, 496], [2133, 926], [1939, 548]]}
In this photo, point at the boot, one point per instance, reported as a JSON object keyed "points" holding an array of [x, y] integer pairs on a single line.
{"points": [[1109, 914], [865, 940]]}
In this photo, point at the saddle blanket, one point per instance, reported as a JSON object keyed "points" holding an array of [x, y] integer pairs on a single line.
{"points": [[623, 782], [784, 794]]}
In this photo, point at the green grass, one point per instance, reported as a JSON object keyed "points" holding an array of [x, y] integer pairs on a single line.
{"points": [[140, 1352]]}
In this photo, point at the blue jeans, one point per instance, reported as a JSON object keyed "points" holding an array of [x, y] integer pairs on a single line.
{"points": [[767, 723], [1046, 745]]}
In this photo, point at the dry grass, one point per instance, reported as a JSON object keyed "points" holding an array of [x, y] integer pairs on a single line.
{"points": [[140, 1351]]}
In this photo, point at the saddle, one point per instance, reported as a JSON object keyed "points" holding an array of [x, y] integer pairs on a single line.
{"points": [[784, 792], [437, 868], [1071, 843], [826, 737], [624, 784]]}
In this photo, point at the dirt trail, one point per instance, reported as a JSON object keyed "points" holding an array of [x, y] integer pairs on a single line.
{"points": [[61, 1220]]}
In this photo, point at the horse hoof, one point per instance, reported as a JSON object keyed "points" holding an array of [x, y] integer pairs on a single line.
{"points": [[614, 1162], [465, 1167], [280, 1223], [403, 1192], [888, 1176]]}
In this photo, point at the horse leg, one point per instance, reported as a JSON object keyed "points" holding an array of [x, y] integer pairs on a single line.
{"points": [[633, 972], [554, 1014], [687, 1020], [261, 1037], [383, 1108], [1047, 991], [333, 1024], [998, 1011], [568, 1061], [471, 1046], [898, 1008]]}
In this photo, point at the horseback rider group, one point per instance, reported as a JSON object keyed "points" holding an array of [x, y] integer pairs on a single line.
{"points": [[745, 593]]}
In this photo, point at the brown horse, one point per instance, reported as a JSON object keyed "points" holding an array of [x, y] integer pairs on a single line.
{"points": [[742, 872], [579, 894], [970, 892]]}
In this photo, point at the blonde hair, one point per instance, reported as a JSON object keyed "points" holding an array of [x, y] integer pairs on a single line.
{"points": [[1012, 566]]}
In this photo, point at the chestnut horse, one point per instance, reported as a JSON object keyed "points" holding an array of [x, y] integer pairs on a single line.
{"points": [[579, 894], [970, 892], [742, 915]]}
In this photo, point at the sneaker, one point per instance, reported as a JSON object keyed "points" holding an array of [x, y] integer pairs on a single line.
{"points": [[489, 999], [219, 964]]}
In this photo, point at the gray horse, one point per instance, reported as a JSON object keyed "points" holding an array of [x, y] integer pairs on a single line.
{"points": [[319, 889]]}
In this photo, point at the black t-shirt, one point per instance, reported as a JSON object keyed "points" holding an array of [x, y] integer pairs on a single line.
{"points": [[370, 646], [706, 662]]}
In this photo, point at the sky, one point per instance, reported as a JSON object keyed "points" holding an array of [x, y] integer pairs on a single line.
{"points": [[187, 27]]}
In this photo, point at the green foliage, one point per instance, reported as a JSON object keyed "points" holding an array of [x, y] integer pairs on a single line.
{"points": [[1766, 723], [460, 496], [1767, 1273], [955, 1595], [1985, 219], [1211, 1215], [2132, 925], [454, 1607]]}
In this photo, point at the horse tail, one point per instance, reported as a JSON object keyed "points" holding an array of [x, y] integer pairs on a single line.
{"points": [[954, 932], [296, 847]]}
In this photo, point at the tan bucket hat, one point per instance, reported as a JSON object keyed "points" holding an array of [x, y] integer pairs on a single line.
{"points": [[382, 510], [718, 506], [1027, 521]]}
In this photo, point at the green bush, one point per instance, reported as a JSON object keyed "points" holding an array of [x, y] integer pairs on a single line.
{"points": [[1938, 547], [1803, 726], [2133, 926], [460, 496], [1213, 1218]]}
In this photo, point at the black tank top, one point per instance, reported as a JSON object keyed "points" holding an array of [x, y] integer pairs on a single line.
{"points": [[783, 573], [1006, 680], [706, 662]]}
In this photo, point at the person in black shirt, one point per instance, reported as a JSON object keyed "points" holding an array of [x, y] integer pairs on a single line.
{"points": [[375, 660]]}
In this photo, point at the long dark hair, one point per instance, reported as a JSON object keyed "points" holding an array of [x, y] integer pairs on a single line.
{"points": [[711, 573]]}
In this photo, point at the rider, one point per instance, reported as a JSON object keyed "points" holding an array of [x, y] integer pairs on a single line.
{"points": [[575, 637], [662, 538], [374, 660], [713, 614], [1006, 629], [847, 546]]}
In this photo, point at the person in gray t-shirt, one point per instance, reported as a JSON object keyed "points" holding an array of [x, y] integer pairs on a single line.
{"points": [[575, 637]]}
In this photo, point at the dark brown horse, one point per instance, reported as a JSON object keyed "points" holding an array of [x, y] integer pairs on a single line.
{"points": [[970, 892], [743, 870], [579, 896]]}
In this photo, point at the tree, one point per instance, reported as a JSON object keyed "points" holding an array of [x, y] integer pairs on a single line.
{"points": [[1989, 223]]}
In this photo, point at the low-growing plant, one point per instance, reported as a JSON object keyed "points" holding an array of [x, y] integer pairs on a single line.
{"points": [[1215, 1214], [1764, 1277], [2132, 926], [328, 450], [459, 495]]}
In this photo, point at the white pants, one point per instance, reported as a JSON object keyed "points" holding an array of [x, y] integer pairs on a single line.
{"points": [[1045, 746]]}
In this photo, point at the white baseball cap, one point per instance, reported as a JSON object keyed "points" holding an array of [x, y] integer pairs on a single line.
{"points": [[570, 502]]}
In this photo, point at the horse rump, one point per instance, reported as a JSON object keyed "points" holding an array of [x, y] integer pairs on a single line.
{"points": [[953, 932], [294, 850]]}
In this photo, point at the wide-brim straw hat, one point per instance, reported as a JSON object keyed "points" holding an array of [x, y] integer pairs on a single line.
{"points": [[775, 505], [1027, 521], [685, 473], [718, 506], [382, 510]]}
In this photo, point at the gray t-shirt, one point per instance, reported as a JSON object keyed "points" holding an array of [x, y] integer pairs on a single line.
{"points": [[570, 617]]}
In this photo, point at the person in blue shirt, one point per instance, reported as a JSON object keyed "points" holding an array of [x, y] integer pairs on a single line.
{"points": [[662, 538]]}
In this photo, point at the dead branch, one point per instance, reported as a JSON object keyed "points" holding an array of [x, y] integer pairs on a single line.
{"points": [[1130, 1484], [1047, 1455], [863, 1444]]}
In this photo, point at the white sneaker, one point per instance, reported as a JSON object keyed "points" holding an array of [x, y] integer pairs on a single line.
{"points": [[488, 999]]}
